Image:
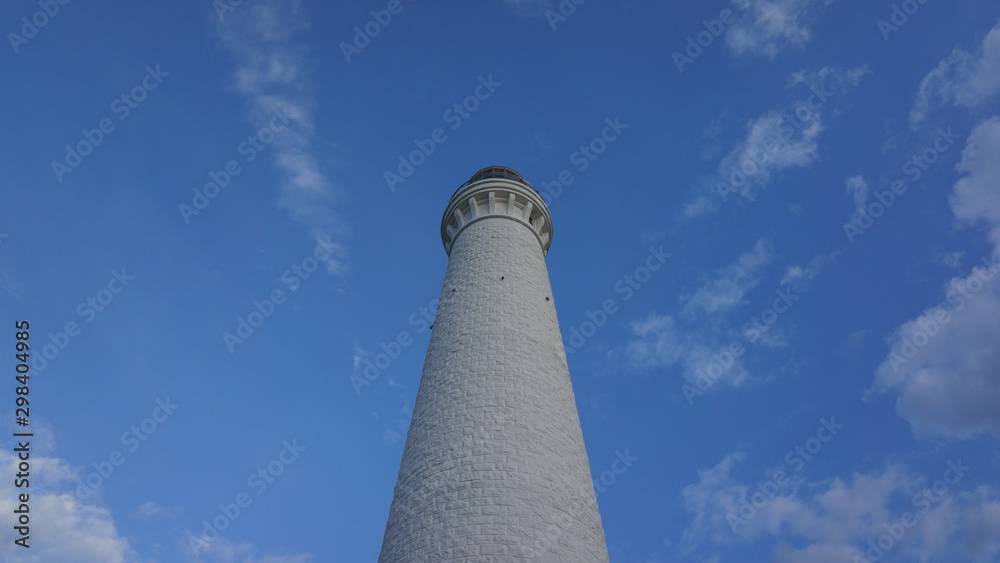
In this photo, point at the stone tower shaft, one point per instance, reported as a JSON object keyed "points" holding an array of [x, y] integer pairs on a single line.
{"points": [[494, 467]]}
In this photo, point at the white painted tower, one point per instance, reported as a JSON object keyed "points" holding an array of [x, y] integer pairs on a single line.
{"points": [[494, 467]]}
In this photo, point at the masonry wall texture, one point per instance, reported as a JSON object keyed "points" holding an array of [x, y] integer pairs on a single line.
{"points": [[494, 467]]}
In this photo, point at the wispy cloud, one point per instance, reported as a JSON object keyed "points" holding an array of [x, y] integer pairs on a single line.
{"points": [[778, 140], [150, 510], [838, 80], [711, 138], [963, 79], [726, 287], [700, 338], [396, 432], [222, 550], [775, 141], [833, 520], [975, 199], [854, 342], [658, 342], [715, 494], [770, 146], [271, 73], [798, 277], [858, 188], [693, 339], [769, 27]]}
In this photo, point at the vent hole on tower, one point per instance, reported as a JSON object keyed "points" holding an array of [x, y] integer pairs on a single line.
{"points": [[546, 298], [501, 277]]}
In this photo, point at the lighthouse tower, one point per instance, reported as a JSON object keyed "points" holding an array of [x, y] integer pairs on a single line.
{"points": [[494, 467]]}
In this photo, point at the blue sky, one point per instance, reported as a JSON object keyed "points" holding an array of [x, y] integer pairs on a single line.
{"points": [[219, 215]]}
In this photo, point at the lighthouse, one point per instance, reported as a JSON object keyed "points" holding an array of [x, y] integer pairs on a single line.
{"points": [[494, 467]]}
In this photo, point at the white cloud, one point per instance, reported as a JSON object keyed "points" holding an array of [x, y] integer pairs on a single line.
{"points": [[945, 364], [798, 278], [62, 527], [222, 550], [950, 260], [835, 519], [769, 27], [858, 188], [727, 286], [65, 528], [715, 495], [271, 73], [149, 510], [839, 80], [711, 138], [390, 436], [659, 343], [963, 79], [773, 143], [854, 342], [982, 526], [976, 197], [702, 205], [700, 337], [541, 139]]}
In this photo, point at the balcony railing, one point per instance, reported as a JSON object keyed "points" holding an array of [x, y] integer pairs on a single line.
{"points": [[498, 172]]}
